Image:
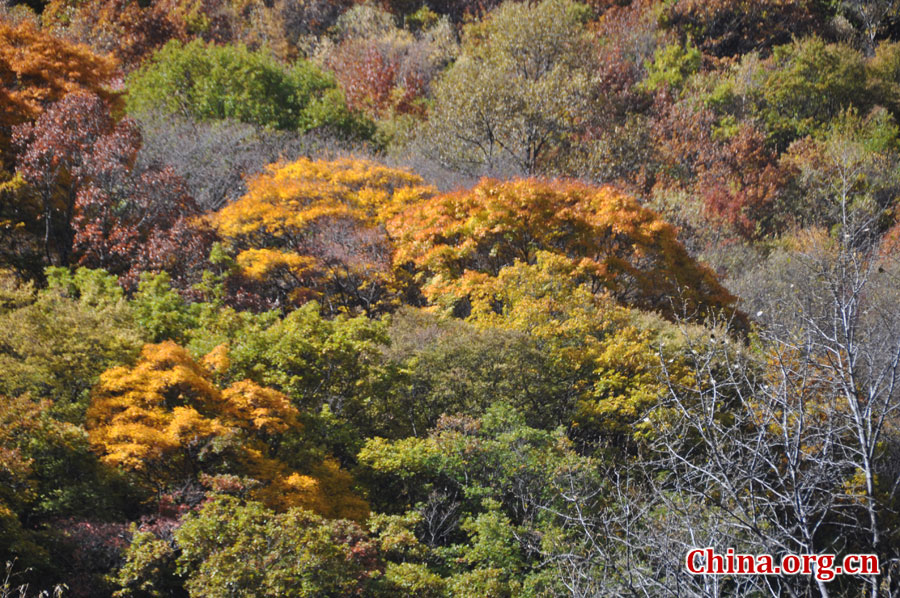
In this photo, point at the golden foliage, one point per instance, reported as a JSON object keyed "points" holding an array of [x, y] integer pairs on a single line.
{"points": [[217, 360], [312, 229], [166, 421], [283, 202], [459, 241]]}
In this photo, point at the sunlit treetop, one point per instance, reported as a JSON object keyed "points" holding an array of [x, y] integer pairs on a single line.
{"points": [[460, 241], [37, 68], [166, 421], [283, 201], [311, 229]]}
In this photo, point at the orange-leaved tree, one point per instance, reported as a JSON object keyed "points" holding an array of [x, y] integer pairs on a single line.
{"points": [[166, 421], [313, 229], [37, 69], [460, 241]]}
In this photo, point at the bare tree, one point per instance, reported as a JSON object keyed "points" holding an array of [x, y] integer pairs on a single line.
{"points": [[786, 444], [871, 16], [795, 438]]}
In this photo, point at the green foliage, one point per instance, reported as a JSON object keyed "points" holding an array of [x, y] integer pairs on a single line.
{"points": [[799, 89], [671, 65], [448, 366], [94, 288], [163, 314], [206, 81], [329, 368], [493, 543], [494, 457], [482, 490], [159, 310], [884, 71], [228, 548], [422, 19], [69, 480], [848, 174], [57, 346], [414, 580], [48, 472], [13, 293], [149, 569], [313, 360], [521, 86]]}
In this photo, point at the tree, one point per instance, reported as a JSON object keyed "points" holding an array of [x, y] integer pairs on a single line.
{"points": [[729, 171], [811, 414], [166, 421], [37, 69], [129, 220], [228, 546], [871, 16], [522, 86], [329, 367], [217, 158], [461, 241], [617, 145], [602, 359], [126, 29], [462, 461], [312, 229], [389, 73], [744, 186], [55, 159], [557, 353], [487, 492], [97, 209], [445, 365], [133, 30], [726, 28], [19, 487], [798, 89], [57, 344], [851, 166], [760, 446], [209, 82]]}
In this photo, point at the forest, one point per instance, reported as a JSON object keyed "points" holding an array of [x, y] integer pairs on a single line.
{"points": [[447, 299]]}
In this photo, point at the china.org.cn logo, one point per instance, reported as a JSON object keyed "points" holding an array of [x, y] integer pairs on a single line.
{"points": [[705, 561]]}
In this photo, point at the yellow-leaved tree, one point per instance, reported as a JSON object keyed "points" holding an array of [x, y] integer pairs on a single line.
{"points": [[460, 242], [314, 230], [610, 351], [166, 421]]}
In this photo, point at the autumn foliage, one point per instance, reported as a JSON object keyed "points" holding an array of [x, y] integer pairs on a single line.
{"points": [[96, 208], [447, 298], [37, 69], [730, 27], [166, 421], [460, 241], [313, 230]]}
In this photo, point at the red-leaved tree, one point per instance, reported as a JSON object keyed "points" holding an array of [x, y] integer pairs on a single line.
{"points": [[98, 209]]}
